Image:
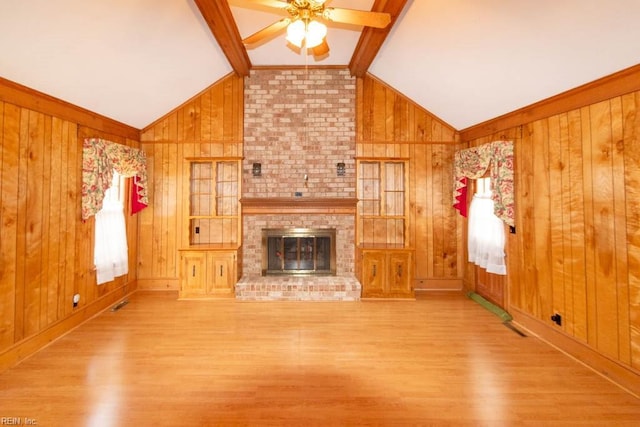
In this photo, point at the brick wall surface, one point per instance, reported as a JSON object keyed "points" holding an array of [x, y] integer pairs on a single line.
{"points": [[299, 123]]}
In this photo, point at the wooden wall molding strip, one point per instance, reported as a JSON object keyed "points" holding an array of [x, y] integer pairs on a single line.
{"points": [[302, 205], [621, 375], [22, 96], [617, 84], [437, 284], [412, 142], [188, 141], [296, 67], [159, 284]]}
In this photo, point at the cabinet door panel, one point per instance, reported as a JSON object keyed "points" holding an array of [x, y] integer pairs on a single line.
{"points": [[373, 265], [221, 273], [193, 273], [399, 280]]}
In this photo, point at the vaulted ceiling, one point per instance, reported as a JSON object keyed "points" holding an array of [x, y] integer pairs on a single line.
{"points": [[466, 61]]}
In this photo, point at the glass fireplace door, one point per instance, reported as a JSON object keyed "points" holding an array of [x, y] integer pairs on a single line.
{"points": [[299, 254], [308, 254]]}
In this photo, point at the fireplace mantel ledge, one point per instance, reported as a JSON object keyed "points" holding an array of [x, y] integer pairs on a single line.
{"points": [[298, 205]]}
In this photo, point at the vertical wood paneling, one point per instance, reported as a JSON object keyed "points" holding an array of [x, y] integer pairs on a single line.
{"points": [[419, 207], [173, 201], [565, 294], [390, 125], [577, 250], [145, 220], [157, 205], [603, 210], [46, 251], [556, 247], [21, 241], [438, 210], [9, 224], [542, 217], [631, 130], [589, 226], [208, 125], [33, 226], [429, 218], [527, 291], [55, 208], [620, 238], [46, 191], [576, 233], [33, 210]]}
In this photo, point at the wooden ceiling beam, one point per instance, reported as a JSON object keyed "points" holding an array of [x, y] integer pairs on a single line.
{"points": [[371, 38], [220, 20]]}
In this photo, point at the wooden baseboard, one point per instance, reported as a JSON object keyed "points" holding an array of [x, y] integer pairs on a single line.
{"points": [[29, 346], [421, 285], [623, 376], [163, 284]]}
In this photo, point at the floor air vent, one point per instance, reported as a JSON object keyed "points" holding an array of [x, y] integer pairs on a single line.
{"points": [[119, 305]]}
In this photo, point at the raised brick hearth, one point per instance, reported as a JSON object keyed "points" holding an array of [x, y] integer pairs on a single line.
{"points": [[298, 288]]}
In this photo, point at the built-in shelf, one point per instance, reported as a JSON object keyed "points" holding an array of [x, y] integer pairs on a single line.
{"points": [[298, 205]]}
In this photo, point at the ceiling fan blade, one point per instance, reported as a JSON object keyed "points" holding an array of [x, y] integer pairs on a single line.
{"points": [[251, 4], [266, 32], [322, 49], [357, 17]]}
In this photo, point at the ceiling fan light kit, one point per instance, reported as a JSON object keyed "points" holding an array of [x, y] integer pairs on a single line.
{"points": [[312, 33], [304, 24]]}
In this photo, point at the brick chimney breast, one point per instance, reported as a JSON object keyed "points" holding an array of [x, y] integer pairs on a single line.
{"points": [[298, 124]]}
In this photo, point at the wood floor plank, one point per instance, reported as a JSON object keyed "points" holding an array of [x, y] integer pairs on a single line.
{"points": [[440, 360]]}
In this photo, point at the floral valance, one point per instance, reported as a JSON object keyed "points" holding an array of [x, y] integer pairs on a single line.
{"points": [[473, 163], [99, 159]]}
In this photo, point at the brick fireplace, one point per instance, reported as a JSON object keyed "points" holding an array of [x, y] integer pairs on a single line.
{"points": [[298, 251], [299, 124]]}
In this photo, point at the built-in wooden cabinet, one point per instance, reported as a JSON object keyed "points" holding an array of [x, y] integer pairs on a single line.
{"points": [[387, 272], [384, 262], [209, 261], [208, 272]]}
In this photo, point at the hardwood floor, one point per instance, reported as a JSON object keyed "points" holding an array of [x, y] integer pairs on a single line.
{"points": [[441, 360]]}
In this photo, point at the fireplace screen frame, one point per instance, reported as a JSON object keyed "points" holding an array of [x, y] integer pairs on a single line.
{"points": [[299, 233]]}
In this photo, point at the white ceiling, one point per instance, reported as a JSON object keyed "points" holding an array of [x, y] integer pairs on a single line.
{"points": [[466, 61]]}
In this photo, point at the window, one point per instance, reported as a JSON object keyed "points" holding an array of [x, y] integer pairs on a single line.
{"points": [[486, 231], [111, 251]]}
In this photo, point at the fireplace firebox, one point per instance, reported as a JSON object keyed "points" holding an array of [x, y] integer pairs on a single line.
{"points": [[299, 251]]}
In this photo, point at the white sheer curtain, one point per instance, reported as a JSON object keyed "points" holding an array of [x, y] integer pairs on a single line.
{"points": [[111, 256], [486, 235]]}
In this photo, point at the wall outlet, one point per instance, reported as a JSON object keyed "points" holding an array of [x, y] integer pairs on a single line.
{"points": [[76, 300], [298, 193], [197, 230], [557, 319]]}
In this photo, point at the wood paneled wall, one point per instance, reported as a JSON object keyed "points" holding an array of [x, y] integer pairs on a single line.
{"points": [[390, 125], [46, 251], [208, 125], [577, 247]]}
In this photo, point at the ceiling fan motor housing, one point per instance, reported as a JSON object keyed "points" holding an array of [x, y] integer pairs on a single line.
{"points": [[305, 9]]}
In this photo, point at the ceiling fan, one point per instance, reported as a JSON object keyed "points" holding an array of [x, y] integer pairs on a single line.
{"points": [[304, 22]]}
